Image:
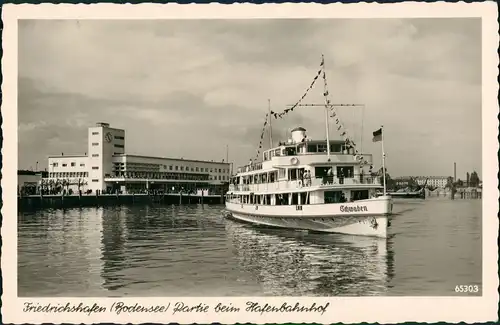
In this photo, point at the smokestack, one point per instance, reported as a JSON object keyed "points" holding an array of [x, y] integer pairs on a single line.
{"points": [[454, 171]]}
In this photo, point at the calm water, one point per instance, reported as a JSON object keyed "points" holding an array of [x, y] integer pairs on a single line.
{"points": [[192, 251]]}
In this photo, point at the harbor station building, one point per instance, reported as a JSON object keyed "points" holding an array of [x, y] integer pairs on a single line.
{"points": [[107, 168]]}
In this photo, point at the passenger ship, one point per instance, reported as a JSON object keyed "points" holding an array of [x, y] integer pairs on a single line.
{"points": [[305, 184]]}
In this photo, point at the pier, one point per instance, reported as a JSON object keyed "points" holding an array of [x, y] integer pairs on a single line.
{"points": [[31, 202]]}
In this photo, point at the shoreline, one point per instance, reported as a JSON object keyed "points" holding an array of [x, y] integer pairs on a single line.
{"points": [[37, 202]]}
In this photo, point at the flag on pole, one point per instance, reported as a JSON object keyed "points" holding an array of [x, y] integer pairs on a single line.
{"points": [[377, 135]]}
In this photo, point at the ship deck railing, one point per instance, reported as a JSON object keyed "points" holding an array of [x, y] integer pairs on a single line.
{"points": [[306, 183], [258, 165]]}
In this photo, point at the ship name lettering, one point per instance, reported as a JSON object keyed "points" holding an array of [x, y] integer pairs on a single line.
{"points": [[358, 208]]}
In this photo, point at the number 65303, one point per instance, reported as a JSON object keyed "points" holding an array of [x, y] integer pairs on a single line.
{"points": [[467, 288]]}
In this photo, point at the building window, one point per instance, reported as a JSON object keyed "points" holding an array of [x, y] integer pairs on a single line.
{"points": [[82, 165], [211, 170], [219, 170], [64, 165], [119, 146], [95, 155], [95, 144], [182, 167], [117, 137], [170, 167], [197, 169], [176, 167], [95, 133], [95, 167], [73, 164], [95, 180]]}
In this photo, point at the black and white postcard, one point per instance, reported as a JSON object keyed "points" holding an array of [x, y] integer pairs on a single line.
{"points": [[245, 163]]}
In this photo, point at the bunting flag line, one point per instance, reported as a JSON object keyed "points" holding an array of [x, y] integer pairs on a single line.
{"points": [[340, 126], [286, 111], [262, 136], [349, 144]]}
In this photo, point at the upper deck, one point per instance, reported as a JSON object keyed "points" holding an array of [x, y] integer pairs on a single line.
{"points": [[306, 153]]}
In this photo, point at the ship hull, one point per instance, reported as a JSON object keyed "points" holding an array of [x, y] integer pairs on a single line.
{"points": [[363, 218]]}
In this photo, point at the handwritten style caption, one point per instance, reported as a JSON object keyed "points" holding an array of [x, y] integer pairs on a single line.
{"points": [[178, 307]]}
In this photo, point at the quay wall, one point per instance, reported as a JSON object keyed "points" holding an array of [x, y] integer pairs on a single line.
{"points": [[35, 202]]}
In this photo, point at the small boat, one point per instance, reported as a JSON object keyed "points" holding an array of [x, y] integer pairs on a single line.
{"points": [[420, 194], [410, 192]]}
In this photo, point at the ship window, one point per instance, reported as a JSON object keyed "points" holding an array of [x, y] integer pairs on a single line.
{"points": [[359, 195], [320, 172], [282, 199], [292, 174], [290, 151], [321, 147], [282, 173], [295, 198], [312, 148], [336, 148], [334, 197], [265, 155], [304, 198], [277, 152]]}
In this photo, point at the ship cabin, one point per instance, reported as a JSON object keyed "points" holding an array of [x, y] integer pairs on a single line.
{"points": [[300, 171]]}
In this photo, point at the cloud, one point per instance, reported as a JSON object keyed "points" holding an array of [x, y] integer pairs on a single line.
{"points": [[189, 87]]}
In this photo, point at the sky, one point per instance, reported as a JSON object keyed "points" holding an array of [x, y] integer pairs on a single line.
{"points": [[189, 88]]}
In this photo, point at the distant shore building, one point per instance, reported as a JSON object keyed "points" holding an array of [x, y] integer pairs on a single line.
{"points": [[28, 180], [106, 167], [434, 181]]}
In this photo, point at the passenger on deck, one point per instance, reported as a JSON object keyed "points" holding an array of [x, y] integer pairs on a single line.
{"points": [[330, 175]]}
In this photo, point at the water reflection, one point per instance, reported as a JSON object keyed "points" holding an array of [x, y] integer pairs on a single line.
{"points": [[288, 262], [193, 251], [54, 245]]}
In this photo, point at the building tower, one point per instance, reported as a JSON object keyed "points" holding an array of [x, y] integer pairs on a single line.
{"points": [[103, 143]]}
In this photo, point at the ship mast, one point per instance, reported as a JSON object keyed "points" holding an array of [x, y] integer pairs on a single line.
{"points": [[326, 113], [270, 124]]}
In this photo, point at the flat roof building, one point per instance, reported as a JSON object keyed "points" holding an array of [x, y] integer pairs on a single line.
{"points": [[106, 167]]}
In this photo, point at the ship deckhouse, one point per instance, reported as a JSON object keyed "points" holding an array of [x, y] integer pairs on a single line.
{"points": [[301, 165]]}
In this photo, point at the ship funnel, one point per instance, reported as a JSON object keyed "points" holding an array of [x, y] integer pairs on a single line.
{"points": [[298, 134]]}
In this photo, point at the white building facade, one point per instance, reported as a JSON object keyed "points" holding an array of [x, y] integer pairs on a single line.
{"points": [[106, 167], [435, 181]]}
